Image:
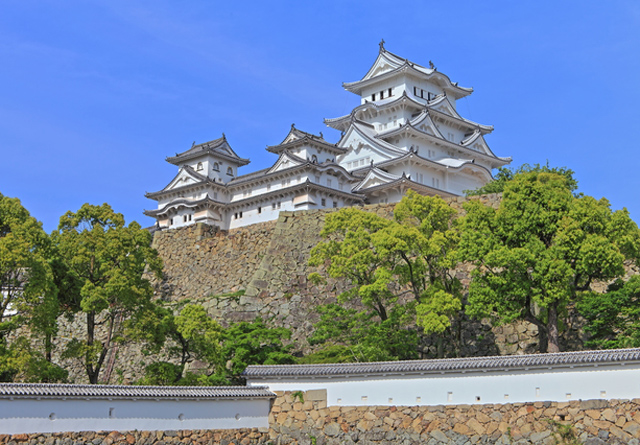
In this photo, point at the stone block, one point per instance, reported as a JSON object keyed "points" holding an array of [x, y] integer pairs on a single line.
{"points": [[316, 395]]}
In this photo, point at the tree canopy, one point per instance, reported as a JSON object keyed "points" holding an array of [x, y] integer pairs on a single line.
{"points": [[28, 296], [107, 259], [541, 249], [391, 262], [507, 174]]}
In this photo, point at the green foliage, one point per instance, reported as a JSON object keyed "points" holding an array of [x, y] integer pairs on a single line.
{"points": [[354, 252], [541, 249], [106, 261], [563, 434], [194, 335], [161, 373], [19, 362], [254, 343], [412, 256], [351, 336], [507, 174], [614, 317], [28, 287]]}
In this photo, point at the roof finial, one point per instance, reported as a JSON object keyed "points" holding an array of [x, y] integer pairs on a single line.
{"points": [[194, 143], [431, 65], [293, 126], [381, 45], [223, 136], [321, 135]]}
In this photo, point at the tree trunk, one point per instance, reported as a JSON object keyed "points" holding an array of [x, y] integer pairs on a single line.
{"points": [[552, 328]]}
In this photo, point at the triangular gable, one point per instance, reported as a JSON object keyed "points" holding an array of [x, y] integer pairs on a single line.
{"points": [[355, 140], [383, 64], [477, 143], [425, 124], [375, 177], [222, 146], [285, 161], [443, 105], [185, 176]]}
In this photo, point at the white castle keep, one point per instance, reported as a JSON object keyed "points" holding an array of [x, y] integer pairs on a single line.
{"points": [[405, 134]]}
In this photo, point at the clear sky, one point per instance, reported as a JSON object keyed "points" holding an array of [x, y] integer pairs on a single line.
{"points": [[95, 94]]}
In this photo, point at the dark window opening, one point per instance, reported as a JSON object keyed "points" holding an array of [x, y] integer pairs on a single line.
{"points": [[390, 92], [373, 97]]}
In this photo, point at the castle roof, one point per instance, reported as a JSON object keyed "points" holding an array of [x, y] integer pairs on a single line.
{"points": [[451, 365], [55, 390], [219, 148], [297, 138], [388, 65]]}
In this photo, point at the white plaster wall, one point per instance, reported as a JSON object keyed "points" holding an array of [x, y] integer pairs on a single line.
{"points": [[396, 85], [56, 415], [621, 382]]}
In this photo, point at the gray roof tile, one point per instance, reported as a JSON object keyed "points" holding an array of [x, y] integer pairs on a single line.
{"points": [[447, 365], [130, 391]]}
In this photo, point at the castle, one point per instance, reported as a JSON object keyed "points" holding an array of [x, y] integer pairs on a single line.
{"points": [[405, 134]]}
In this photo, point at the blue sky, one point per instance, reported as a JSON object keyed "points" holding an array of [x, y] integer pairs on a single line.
{"points": [[95, 94]]}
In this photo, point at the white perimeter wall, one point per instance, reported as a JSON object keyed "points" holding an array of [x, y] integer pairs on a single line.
{"points": [[58, 415], [620, 382]]}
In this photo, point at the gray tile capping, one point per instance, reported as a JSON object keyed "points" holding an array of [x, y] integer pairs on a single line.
{"points": [[45, 390], [514, 362]]}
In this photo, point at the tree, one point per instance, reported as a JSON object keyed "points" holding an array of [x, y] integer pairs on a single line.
{"points": [[387, 262], [27, 295], [108, 260], [25, 275], [349, 335], [426, 240], [252, 343], [541, 249], [353, 252], [613, 317], [506, 174]]}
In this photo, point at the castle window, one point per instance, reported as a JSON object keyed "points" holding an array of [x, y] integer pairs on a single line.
{"points": [[335, 204], [273, 206], [390, 92], [190, 217], [323, 202], [235, 216], [259, 210], [279, 203], [373, 97], [314, 159], [171, 222], [381, 95], [415, 91], [199, 166], [216, 166], [184, 218], [240, 215], [230, 171]]}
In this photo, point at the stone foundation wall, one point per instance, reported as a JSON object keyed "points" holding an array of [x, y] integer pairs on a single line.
{"points": [[238, 437], [298, 417]]}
